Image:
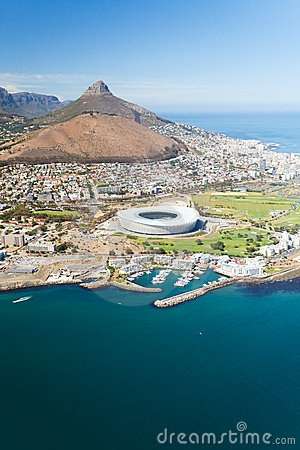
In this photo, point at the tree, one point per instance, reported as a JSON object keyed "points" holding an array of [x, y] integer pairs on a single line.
{"points": [[62, 247], [218, 245]]}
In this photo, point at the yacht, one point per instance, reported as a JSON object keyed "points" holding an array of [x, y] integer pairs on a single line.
{"points": [[21, 299]]}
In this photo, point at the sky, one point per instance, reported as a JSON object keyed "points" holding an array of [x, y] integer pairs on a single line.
{"points": [[167, 55]]}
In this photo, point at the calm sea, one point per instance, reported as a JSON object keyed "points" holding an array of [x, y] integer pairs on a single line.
{"points": [[279, 128], [85, 370]]}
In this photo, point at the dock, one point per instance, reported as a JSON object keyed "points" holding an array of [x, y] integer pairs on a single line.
{"points": [[192, 295]]}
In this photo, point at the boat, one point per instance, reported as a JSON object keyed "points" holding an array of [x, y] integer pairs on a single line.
{"points": [[21, 299], [161, 276]]}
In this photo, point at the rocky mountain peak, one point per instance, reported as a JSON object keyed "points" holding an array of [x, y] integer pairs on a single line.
{"points": [[97, 88]]}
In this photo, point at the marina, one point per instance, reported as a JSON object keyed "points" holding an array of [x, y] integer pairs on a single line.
{"points": [[169, 287]]}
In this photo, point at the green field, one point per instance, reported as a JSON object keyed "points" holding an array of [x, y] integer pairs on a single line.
{"points": [[290, 220], [236, 242], [248, 205], [53, 214]]}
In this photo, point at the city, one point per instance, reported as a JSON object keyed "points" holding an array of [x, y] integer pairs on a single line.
{"points": [[71, 208]]}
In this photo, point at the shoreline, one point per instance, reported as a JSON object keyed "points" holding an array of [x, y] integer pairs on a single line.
{"points": [[284, 275], [100, 284]]}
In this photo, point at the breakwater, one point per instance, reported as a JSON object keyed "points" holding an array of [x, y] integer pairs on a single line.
{"points": [[127, 286], [192, 295]]}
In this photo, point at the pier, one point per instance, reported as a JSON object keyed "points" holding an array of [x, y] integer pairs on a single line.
{"points": [[192, 295]]}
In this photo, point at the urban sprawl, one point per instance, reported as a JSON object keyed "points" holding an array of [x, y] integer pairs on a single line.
{"points": [[58, 220]]}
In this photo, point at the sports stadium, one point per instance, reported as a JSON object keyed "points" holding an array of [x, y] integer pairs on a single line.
{"points": [[160, 220]]}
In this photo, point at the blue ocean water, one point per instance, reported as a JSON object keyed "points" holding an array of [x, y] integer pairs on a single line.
{"points": [[82, 370], [280, 128]]}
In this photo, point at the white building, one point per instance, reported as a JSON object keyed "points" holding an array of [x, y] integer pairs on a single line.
{"points": [[182, 264], [41, 246], [247, 268], [142, 259], [163, 259]]}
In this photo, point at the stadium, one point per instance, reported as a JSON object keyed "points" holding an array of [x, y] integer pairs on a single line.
{"points": [[160, 220]]}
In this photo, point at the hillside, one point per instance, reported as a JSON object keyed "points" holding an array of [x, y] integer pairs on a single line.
{"points": [[93, 137]]}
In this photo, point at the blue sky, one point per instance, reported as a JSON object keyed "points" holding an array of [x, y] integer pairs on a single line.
{"points": [[179, 55]]}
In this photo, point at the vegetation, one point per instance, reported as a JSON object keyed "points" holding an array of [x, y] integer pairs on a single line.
{"points": [[247, 206], [234, 242], [56, 214], [16, 212], [289, 222]]}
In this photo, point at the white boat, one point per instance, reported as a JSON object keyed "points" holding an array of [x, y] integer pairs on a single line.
{"points": [[21, 299]]}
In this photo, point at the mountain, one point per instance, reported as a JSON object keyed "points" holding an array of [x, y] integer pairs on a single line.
{"points": [[93, 138], [28, 104], [98, 98], [98, 127]]}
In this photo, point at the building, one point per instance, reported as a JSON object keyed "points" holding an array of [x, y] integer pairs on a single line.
{"points": [[252, 267], [118, 261], [13, 239], [25, 269], [142, 259], [182, 264], [41, 246], [160, 220], [163, 259]]}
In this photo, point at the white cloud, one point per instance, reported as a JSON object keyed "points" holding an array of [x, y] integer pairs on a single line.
{"points": [[62, 85]]}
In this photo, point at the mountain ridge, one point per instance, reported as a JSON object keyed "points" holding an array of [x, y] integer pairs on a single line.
{"points": [[28, 104]]}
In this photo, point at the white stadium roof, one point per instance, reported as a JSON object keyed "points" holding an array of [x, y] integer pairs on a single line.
{"points": [[165, 219]]}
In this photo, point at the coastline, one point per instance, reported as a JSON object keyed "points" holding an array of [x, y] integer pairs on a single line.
{"points": [[284, 275], [100, 284]]}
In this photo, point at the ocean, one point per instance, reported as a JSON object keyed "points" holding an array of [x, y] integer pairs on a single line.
{"points": [[278, 128], [104, 369]]}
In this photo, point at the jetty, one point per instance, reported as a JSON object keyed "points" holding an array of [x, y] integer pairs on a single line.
{"points": [[126, 286], [192, 295]]}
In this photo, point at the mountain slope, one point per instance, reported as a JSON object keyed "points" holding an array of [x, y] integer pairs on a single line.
{"points": [[93, 137], [98, 98], [28, 104]]}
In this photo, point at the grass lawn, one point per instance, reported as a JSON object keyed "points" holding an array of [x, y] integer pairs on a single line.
{"points": [[52, 214], [293, 218], [237, 242], [248, 205]]}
